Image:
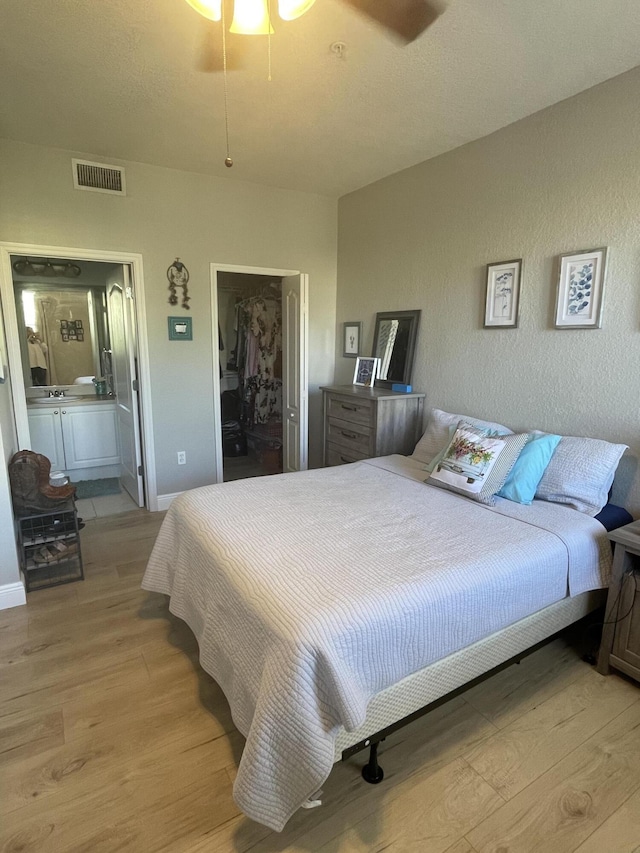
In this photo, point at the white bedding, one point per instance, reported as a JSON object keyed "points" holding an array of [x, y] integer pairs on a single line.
{"points": [[309, 593]]}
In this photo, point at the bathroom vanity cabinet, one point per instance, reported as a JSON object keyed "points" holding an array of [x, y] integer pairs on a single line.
{"points": [[75, 436]]}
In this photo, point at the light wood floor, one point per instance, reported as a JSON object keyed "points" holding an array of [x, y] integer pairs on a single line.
{"points": [[113, 739]]}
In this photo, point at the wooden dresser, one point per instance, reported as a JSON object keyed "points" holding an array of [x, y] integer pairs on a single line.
{"points": [[363, 422]]}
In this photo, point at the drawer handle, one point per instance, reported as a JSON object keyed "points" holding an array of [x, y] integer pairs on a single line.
{"points": [[349, 434], [349, 408]]}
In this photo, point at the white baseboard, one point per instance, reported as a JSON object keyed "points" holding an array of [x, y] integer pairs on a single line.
{"points": [[12, 595], [164, 501]]}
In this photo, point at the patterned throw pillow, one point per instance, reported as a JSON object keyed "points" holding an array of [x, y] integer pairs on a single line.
{"points": [[476, 464]]}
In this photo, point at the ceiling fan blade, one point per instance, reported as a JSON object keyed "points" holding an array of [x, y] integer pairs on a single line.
{"points": [[209, 57], [406, 18]]}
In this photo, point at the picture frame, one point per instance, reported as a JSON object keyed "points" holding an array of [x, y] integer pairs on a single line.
{"points": [[580, 291], [502, 302], [80, 337], [79, 325], [365, 371], [351, 336], [65, 337], [180, 328]]}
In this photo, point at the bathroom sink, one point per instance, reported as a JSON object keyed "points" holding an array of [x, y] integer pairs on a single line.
{"points": [[55, 401]]}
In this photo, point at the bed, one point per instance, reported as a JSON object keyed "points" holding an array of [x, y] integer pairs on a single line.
{"points": [[329, 604]]}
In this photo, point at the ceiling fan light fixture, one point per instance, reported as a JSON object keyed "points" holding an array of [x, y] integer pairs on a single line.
{"points": [[289, 10], [251, 18], [211, 9]]}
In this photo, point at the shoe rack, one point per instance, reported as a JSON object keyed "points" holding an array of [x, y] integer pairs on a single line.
{"points": [[49, 547]]}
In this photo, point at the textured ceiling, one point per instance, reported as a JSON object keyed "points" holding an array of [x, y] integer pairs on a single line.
{"points": [[119, 78]]}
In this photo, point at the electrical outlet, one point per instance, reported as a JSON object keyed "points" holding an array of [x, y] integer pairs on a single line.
{"points": [[182, 457]]}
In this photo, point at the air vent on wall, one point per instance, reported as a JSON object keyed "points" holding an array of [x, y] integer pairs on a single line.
{"points": [[98, 177]]}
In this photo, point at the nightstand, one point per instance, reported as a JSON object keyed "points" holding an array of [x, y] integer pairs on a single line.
{"points": [[360, 422], [620, 646]]}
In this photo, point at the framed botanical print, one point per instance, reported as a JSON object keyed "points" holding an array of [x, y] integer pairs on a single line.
{"points": [[579, 299], [503, 294]]}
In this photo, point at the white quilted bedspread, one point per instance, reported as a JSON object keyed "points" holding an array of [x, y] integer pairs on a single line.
{"points": [[309, 593]]}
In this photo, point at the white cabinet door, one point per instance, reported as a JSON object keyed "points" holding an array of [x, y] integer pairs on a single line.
{"points": [[45, 430], [89, 435]]}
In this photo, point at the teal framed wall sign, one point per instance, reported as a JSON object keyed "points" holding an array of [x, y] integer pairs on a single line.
{"points": [[180, 329]]}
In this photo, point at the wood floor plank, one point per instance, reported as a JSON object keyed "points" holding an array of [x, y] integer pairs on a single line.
{"points": [[43, 688], [427, 813], [65, 774], [618, 834], [22, 735], [514, 757], [139, 813], [567, 804], [461, 846], [517, 689]]}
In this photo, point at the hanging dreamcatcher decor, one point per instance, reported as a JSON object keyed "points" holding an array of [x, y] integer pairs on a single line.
{"points": [[178, 276]]}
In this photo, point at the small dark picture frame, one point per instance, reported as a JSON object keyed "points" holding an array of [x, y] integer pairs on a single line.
{"points": [[80, 337], [351, 336], [65, 337]]}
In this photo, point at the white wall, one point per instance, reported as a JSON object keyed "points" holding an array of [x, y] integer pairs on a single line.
{"points": [[9, 572], [567, 178], [201, 219]]}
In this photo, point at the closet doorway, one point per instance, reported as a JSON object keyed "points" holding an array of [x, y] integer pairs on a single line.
{"points": [[260, 371]]}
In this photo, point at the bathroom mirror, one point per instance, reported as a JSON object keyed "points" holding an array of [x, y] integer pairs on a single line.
{"points": [[63, 331], [394, 343]]}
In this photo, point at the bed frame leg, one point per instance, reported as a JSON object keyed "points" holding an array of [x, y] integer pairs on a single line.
{"points": [[372, 772]]}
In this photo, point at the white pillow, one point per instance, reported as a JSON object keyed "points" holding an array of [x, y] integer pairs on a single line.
{"points": [[437, 434], [580, 473]]}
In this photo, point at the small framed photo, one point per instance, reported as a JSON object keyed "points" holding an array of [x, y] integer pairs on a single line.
{"points": [[79, 325], [80, 337], [579, 300], [352, 332], [180, 329], [73, 336], [366, 371], [503, 294], [65, 337], [63, 324]]}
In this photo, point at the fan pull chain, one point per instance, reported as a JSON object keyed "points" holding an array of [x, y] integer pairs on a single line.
{"points": [[228, 161], [269, 41]]}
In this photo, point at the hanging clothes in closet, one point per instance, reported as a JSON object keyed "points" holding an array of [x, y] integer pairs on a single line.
{"points": [[258, 358]]}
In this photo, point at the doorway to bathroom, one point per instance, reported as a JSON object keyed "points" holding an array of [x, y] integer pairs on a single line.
{"points": [[76, 314], [260, 374]]}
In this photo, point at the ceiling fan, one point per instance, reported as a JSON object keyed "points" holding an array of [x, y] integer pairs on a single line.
{"points": [[405, 19]]}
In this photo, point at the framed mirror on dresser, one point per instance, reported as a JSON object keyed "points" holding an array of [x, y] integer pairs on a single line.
{"points": [[394, 343]]}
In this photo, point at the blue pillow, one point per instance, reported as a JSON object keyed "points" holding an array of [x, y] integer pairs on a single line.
{"points": [[529, 467]]}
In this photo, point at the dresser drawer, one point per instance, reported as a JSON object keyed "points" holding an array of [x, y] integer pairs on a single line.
{"points": [[349, 436], [339, 456], [349, 409]]}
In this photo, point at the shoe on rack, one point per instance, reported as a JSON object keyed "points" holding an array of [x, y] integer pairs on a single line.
{"points": [[55, 552]]}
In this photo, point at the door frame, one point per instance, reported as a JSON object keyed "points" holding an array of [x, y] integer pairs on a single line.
{"points": [[217, 414], [14, 357]]}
